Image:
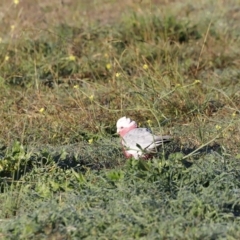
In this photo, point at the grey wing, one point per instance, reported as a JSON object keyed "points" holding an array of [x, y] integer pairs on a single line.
{"points": [[159, 140], [142, 138]]}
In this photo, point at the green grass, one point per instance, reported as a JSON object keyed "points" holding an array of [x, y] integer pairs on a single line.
{"points": [[69, 71]]}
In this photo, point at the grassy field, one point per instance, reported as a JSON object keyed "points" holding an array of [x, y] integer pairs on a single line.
{"points": [[70, 69]]}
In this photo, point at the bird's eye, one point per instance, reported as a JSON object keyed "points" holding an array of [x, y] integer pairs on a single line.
{"points": [[121, 127]]}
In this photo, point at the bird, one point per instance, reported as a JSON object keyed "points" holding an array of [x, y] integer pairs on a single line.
{"points": [[138, 143]]}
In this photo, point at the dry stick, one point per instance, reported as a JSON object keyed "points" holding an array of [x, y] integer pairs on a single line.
{"points": [[204, 41], [190, 154], [202, 146]]}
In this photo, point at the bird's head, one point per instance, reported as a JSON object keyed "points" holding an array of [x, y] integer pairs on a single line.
{"points": [[124, 125]]}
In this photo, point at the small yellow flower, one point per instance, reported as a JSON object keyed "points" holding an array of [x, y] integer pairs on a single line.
{"points": [[145, 66], [71, 58], [41, 110], [90, 141], [178, 85], [218, 127], [197, 81], [149, 122], [12, 27], [108, 66], [16, 2], [76, 86], [6, 58], [118, 74], [91, 97], [234, 114]]}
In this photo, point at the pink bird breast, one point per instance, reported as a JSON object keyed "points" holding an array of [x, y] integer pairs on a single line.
{"points": [[125, 130]]}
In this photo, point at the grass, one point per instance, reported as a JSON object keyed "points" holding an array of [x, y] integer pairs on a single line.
{"points": [[70, 70]]}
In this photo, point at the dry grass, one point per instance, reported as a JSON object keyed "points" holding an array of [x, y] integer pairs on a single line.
{"points": [[46, 34]]}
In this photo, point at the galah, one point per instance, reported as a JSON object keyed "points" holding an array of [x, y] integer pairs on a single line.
{"points": [[138, 142]]}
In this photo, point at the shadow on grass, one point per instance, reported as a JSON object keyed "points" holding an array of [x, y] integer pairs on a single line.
{"points": [[17, 160], [81, 157]]}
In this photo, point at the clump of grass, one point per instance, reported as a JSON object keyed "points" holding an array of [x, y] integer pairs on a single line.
{"points": [[129, 202]]}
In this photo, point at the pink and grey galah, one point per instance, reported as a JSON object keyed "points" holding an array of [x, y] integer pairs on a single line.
{"points": [[138, 143]]}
